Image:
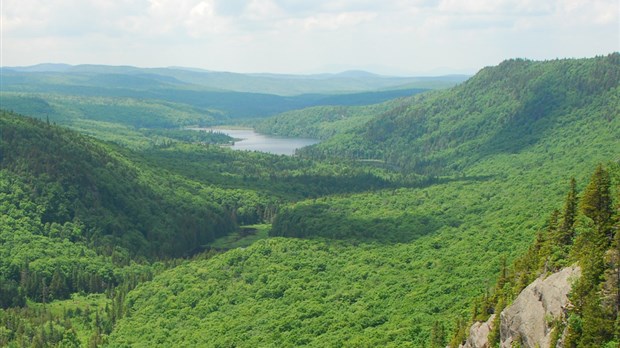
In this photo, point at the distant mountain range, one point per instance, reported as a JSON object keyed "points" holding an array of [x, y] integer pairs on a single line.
{"points": [[279, 84], [201, 96]]}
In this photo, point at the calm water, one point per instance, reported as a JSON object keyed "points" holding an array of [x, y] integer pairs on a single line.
{"points": [[253, 141]]}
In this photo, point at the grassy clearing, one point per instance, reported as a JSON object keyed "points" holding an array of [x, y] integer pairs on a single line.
{"points": [[246, 236]]}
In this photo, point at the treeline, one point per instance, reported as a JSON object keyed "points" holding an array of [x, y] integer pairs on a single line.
{"points": [[587, 232], [187, 135], [357, 218], [75, 211]]}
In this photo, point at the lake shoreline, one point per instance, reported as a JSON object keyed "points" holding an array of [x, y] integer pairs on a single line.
{"points": [[247, 139]]}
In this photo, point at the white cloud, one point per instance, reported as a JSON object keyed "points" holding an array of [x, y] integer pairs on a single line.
{"points": [[203, 20], [329, 21], [495, 7], [301, 35], [259, 10], [599, 12]]}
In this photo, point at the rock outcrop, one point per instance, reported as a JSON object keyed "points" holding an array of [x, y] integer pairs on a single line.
{"points": [[527, 320], [479, 334], [529, 317]]}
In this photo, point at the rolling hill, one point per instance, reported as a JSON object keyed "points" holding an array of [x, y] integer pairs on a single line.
{"points": [[502, 110], [118, 200], [276, 84], [176, 97]]}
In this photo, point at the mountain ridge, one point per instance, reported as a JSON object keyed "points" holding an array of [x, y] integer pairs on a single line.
{"points": [[279, 84], [431, 130]]}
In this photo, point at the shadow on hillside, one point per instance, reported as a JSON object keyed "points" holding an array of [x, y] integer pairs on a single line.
{"points": [[539, 112], [340, 219], [430, 181], [325, 221], [314, 186]]}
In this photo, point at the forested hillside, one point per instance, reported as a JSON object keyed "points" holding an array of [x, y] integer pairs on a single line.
{"points": [[322, 122], [172, 97], [443, 241], [501, 110], [81, 217], [568, 135], [74, 179], [382, 235]]}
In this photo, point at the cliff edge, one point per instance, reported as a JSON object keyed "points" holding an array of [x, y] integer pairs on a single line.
{"points": [[527, 321]]}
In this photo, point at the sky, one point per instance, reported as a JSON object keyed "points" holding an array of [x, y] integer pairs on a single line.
{"points": [[396, 37]]}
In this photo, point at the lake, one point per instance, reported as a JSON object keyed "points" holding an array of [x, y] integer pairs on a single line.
{"points": [[252, 141]]}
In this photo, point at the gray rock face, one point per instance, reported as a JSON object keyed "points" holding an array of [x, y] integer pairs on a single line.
{"points": [[528, 318], [479, 334]]}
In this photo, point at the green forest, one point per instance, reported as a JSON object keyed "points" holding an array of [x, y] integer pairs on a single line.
{"points": [[416, 215]]}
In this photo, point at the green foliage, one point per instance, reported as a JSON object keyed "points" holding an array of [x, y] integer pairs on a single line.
{"points": [[595, 294], [438, 335], [118, 199], [189, 135], [246, 236], [322, 122], [281, 177], [459, 335], [596, 203], [592, 319], [70, 109], [287, 292], [174, 97], [506, 109], [410, 217], [566, 233], [383, 216]]}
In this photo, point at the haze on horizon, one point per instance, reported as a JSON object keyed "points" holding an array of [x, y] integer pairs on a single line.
{"points": [[398, 37]]}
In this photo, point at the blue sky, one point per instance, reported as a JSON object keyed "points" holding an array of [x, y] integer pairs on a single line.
{"points": [[295, 36]]}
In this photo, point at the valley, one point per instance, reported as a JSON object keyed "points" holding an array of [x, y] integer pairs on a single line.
{"points": [[404, 218]]}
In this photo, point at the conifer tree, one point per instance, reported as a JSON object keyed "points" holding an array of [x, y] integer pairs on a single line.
{"points": [[460, 333], [594, 290], [58, 286], [438, 335], [596, 203], [567, 230], [546, 242]]}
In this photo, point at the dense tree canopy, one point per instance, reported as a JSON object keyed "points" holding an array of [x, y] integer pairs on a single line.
{"points": [[408, 211]]}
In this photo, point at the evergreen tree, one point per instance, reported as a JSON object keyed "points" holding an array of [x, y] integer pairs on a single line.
{"points": [[610, 289], [438, 335], [596, 203], [58, 286], [567, 230], [546, 243], [460, 333], [598, 323]]}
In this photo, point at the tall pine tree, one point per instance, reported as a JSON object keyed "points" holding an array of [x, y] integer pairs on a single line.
{"points": [[567, 230], [597, 203]]}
